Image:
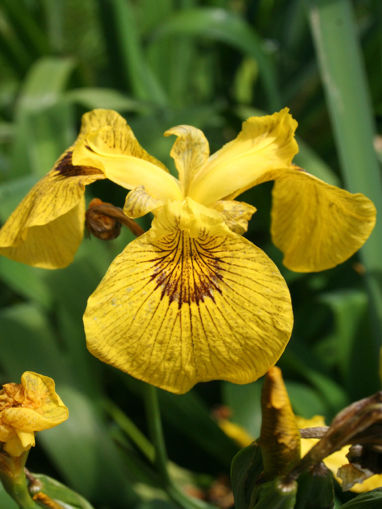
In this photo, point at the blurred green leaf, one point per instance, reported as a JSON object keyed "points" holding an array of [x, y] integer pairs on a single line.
{"points": [[25, 281], [12, 192], [370, 500], [44, 84], [222, 25], [315, 490], [28, 30], [28, 343], [246, 468], [120, 15], [40, 112], [188, 414], [6, 502], [244, 402], [348, 337], [308, 159], [61, 493], [274, 494], [306, 401], [107, 98], [97, 470], [156, 504], [334, 396]]}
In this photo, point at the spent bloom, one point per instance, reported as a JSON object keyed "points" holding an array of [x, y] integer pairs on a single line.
{"points": [[191, 300], [337, 459], [280, 441], [25, 408]]}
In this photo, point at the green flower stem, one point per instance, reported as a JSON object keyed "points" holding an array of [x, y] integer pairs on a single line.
{"points": [[341, 66], [161, 461], [131, 430], [14, 481]]}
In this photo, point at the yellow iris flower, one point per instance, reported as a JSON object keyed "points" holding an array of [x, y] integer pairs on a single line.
{"points": [[25, 408], [191, 300]]}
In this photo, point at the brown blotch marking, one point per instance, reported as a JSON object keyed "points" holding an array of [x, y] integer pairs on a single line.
{"points": [[65, 168], [188, 271]]}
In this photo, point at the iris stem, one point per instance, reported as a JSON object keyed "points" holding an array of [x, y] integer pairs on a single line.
{"points": [[161, 460], [14, 481], [131, 430]]}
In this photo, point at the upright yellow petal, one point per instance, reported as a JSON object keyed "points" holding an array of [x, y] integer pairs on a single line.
{"points": [[190, 151], [264, 144], [315, 225], [113, 149], [189, 304], [46, 228]]}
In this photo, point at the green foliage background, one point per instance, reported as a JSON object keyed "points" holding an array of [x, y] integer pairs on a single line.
{"points": [[161, 63]]}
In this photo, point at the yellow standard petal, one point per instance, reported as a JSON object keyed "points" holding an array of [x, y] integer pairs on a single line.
{"points": [[47, 227], [190, 301], [115, 151], [315, 225], [264, 144], [190, 151]]}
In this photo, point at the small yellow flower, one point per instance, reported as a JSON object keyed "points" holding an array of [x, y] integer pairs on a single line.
{"points": [[192, 300], [25, 408]]}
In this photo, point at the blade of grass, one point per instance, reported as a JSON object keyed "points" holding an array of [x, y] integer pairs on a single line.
{"points": [[118, 16], [225, 26], [335, 38], [28, 30]]}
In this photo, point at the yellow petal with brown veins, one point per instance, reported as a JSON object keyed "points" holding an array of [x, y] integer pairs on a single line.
{"points": [[191, 303], [46, 228], [114, 149], [316, 225]]}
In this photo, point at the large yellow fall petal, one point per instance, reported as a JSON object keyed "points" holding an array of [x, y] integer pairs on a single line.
{"points": [[192, 305], [264, 144], [316, 225], [46, 228], [190, 151], [115, 151]]}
